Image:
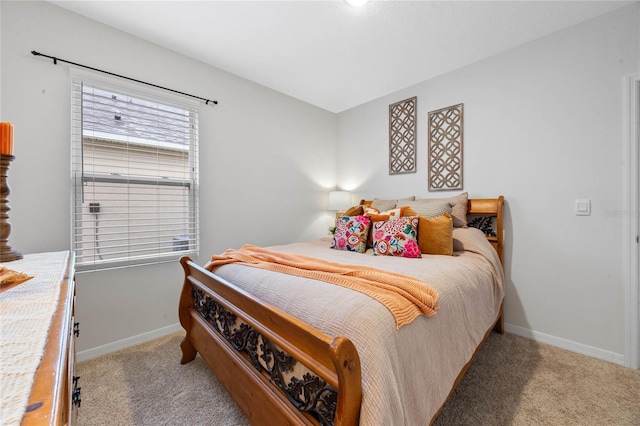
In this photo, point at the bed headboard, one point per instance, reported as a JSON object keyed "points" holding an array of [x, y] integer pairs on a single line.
{"points": [[486, 215]]}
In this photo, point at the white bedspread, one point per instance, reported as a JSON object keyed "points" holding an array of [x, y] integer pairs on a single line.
{"points": [[408, 373]]}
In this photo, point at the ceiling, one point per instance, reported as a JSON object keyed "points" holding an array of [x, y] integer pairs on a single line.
{"points": [[334, 55]]}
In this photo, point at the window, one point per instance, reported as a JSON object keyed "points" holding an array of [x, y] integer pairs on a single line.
{"points": [[135, 177]]}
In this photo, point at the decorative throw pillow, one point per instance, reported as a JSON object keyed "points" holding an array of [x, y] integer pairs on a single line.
{"points": [[351, 233], [396, 237], [370, 211], [377, 216], [435, 235], [430, 208]]}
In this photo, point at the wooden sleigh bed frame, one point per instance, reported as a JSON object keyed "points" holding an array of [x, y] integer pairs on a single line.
{"points": [[209, 308]]}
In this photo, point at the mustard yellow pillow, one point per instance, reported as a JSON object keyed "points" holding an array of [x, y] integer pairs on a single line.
{"points": [[408, 211], [435, 236]]}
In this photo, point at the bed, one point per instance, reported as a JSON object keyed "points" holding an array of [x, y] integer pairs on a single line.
{"points": [[296, 350]]}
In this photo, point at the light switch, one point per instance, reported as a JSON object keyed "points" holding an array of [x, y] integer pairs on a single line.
{"points": [[583, 207]]}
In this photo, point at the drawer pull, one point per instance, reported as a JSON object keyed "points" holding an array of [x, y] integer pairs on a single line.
{"points": [[76, 329]]}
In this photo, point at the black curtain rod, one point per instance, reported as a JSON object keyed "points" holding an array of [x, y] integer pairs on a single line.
{"points": [[55, 62]]}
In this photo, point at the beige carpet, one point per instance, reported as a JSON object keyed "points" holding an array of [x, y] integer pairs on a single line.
{"points": [[513, 381]]}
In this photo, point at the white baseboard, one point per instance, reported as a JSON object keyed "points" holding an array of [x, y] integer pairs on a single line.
{"points": [[565, 344], [126, 343]]}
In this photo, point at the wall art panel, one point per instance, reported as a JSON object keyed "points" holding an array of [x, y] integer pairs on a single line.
{"points": [[445, 148], [402, 136]]}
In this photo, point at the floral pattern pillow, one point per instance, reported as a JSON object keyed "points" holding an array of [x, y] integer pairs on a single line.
{"points": [[351, 233], [396, 237]]}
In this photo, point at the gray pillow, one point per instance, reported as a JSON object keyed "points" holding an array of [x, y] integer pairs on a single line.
{"points": [[384, 205], [428, 208], [459, 202]]}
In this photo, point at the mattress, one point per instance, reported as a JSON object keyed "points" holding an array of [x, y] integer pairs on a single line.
{"points": [[407, 373]]}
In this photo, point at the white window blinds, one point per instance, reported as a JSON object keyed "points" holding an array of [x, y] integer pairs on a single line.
{"points": [[135, 178]]}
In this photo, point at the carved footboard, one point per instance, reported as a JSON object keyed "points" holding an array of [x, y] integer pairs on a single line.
{"points": [[278, 369]]}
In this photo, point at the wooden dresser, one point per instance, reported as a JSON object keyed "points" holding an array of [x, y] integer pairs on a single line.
{"points": [[55, 395]]}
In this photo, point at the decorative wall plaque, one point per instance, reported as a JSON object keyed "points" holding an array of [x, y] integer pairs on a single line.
{"points": [[402, 136], [445, 148]]}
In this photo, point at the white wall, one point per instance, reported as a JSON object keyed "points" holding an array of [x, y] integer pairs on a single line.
{"points": [[266, 160], [543, 126]]}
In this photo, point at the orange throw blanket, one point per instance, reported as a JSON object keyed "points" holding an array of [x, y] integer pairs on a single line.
{"points": [[404, 296]]}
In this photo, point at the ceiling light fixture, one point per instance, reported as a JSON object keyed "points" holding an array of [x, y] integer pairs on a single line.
{"points": [[356, 3]]}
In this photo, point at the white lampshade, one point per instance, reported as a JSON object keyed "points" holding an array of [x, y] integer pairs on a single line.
{"points": [[339, 200]]}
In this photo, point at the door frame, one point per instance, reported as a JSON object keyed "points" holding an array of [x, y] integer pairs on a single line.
{"points": [[631, 221]]}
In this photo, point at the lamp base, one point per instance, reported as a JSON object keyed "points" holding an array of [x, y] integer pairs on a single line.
{"points": [[7, 254]]}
